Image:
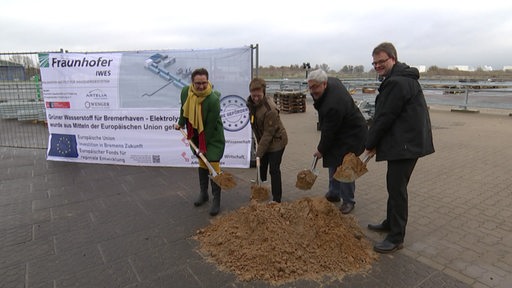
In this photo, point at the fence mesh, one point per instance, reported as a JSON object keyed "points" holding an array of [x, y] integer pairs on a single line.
{"points": [[22, 111], [23, 115]]}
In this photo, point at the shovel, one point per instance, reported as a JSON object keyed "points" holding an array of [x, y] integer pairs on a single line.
{"points": [[351, 168], [306, 178], [259, 192], [224, 180]]}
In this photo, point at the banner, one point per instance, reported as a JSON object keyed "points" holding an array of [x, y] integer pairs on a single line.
{"points": [[120, 108]]}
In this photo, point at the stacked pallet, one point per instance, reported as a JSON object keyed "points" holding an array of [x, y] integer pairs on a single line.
{"points": [[23, 110], [290, 102], [7, 111]]}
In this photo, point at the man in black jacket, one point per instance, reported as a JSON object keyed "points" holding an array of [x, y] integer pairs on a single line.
{"points": [[343, 129], [400, 134]]}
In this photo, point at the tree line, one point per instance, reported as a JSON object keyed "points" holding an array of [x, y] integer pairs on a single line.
{"points": [[299, 71]]}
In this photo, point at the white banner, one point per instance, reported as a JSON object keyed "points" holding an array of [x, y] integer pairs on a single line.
{"points": [[119, 108]]}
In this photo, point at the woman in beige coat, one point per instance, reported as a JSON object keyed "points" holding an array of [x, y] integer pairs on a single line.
{"points": [[270, 135]]}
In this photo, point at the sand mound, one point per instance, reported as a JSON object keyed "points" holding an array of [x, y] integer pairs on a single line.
{"points": [[278, 243]]}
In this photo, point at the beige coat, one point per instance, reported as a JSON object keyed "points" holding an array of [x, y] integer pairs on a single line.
{"points": [[267, 126]]}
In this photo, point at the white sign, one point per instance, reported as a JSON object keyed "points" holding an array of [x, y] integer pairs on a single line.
{"points": [[119, 108]]}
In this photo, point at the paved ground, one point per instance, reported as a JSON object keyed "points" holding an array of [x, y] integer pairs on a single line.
{"points": [[84, 225]]}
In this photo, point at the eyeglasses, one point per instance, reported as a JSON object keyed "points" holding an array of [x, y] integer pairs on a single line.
{"points": [[314, 86], [201, 83], [380, 62]]}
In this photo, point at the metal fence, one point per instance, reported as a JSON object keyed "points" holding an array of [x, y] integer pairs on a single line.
{"points": [[463, 95], [22, 111], [23, 115]]}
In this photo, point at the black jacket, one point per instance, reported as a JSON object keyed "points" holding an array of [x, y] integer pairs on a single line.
{"points": [[343, 127], [401, 127]]}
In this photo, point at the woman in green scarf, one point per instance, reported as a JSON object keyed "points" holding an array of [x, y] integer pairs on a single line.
{"points": [[200, 114]]}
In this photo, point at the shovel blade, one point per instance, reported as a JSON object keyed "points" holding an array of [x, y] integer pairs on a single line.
{"points": [[347, 175], [225, 180], [260, 192], [351, 169], [305, 179]]}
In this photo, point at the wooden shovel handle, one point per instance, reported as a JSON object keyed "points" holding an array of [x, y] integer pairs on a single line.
{"points": [[258, 178], [212, 171]]}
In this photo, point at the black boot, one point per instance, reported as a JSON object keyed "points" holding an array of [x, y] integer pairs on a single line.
{"points": [[203, 186], [216, 199]]}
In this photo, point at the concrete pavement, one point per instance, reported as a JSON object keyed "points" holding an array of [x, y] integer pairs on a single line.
{"points": [[84, 225]]}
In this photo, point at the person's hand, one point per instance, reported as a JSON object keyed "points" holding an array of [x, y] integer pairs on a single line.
{"points": [[369, 153], [318, 155], [177, 126]]}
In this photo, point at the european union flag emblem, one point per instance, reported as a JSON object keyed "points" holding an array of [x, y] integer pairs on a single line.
{"points": [[63, 145]]}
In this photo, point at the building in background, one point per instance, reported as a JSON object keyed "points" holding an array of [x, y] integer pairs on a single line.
{"points": [[461, 68], [10, 71]]}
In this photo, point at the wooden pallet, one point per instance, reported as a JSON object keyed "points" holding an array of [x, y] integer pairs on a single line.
{"points": [[290, 102]]}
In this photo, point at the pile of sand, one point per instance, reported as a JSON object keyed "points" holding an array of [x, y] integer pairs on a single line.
{"points": [[278, 243]]}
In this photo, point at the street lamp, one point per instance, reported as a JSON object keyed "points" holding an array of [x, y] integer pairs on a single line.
{"points": [[307, 67]]}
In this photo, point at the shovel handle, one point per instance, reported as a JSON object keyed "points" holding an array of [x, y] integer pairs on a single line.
{"points": [[258, 178], [367, 158], [212, 171], [313, 165]]}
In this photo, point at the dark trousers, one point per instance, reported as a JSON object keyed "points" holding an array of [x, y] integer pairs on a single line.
{"points": [[342, 190], [273, 159], [397, 178]]}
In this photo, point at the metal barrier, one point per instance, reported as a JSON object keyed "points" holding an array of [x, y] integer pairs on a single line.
{"points": [[23, 116], [22, 111], [462, 95], [463, 98]]}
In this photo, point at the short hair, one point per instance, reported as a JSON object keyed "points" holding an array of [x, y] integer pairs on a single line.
{"points": [[258, 83], [199, 71], [318, 75], [387, 48]]}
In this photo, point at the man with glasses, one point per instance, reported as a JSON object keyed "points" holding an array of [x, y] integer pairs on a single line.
{"points": [[343, 129], [200, 114], [400, 134]]}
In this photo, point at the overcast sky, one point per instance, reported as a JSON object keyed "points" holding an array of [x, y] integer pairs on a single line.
{"points": [[334, 32]]}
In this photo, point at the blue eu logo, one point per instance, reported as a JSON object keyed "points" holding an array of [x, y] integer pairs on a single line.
{"points": [[63, 145]]}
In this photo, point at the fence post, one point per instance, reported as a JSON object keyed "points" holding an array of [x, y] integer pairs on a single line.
{"points": [[38, 91], [464, 108], [467, 98]]}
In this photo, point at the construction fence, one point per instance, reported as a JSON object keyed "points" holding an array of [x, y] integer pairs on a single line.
{"points": [[22, 111]]}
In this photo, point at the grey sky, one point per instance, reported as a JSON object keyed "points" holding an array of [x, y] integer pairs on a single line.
{"points": [[336, 33]]}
